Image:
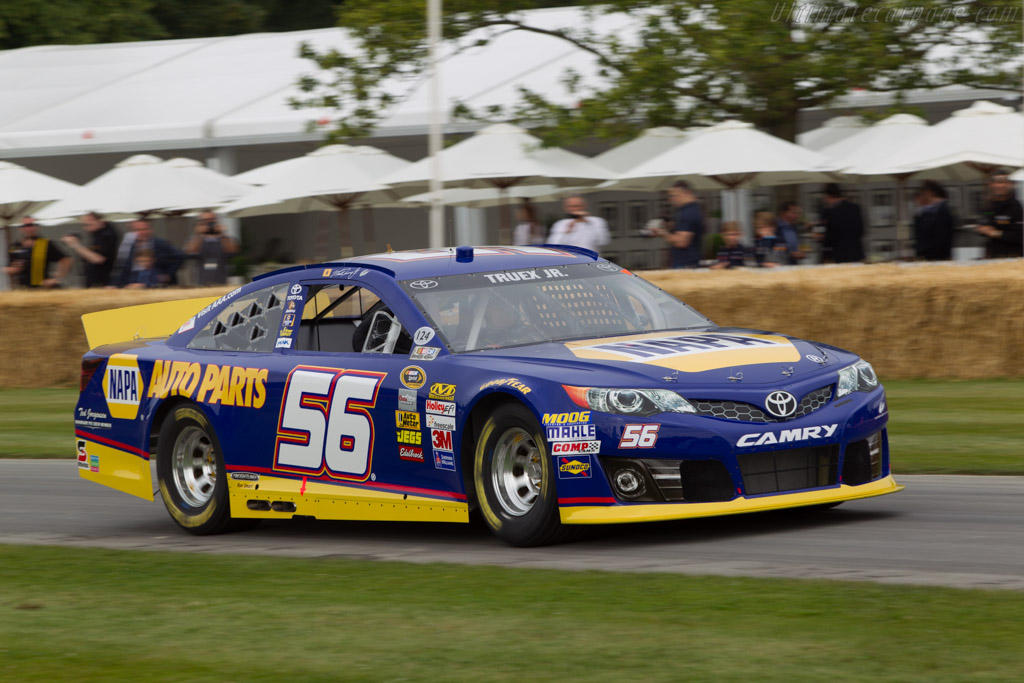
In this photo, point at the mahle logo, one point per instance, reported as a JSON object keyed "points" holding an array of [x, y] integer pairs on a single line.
{"points": [[122, 386]]}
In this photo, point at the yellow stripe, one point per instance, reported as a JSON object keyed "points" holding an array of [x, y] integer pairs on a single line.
{"points": [[140, 322], [38, 272], [617, 514], [119, 470], [338, 502]]}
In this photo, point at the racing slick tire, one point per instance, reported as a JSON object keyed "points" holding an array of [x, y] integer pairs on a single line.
{"points": [[514, 479], [190, 472]]}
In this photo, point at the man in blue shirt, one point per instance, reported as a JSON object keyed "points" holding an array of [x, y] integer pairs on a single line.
{"points": [[789, 216], [687, 235]]}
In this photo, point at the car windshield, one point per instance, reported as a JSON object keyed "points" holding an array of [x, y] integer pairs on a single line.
{"points": [[534, 305]]}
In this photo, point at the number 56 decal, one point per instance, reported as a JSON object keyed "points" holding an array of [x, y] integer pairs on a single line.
{"points": [[639, 436], [325, 425]]}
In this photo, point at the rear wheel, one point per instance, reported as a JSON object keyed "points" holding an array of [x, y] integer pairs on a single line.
{"points": [[514, 479], [190, 471]]}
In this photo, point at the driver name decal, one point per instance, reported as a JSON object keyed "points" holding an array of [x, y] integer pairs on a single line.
{"points": [[690, 352]]}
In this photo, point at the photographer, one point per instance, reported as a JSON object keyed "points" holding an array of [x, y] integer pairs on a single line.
{"points": [[212, 246], [30, 259]]}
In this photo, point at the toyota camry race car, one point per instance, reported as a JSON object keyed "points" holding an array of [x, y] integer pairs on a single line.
{"points": [[544, 386]]}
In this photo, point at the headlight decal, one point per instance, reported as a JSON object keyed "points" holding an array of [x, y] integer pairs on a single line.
{"points": [[633, 402], [859, 376]]}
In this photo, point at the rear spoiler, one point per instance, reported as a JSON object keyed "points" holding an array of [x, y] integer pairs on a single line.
{"points": [[140, 322]]}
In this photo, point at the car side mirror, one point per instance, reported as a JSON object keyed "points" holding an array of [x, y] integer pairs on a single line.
{"points": [[383, 334]]}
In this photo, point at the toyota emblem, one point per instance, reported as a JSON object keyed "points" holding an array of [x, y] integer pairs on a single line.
{"points": [[780, 403], [423, 284]]}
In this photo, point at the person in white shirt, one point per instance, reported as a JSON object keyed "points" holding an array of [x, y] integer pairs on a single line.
{"points": [[579, 229]]}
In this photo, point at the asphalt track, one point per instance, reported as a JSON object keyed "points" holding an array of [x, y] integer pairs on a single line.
{"points": [[942, 530]]}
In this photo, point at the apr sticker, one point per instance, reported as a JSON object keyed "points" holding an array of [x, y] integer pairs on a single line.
{"points": [[423, 335], [413, 377], [574, 467], [122, 386], [690, 352]]}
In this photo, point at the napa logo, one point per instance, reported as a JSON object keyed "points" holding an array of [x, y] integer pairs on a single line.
{"points": [[122, 386]]}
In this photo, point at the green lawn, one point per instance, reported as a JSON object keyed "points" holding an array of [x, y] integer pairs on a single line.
{"points": [[967, 427], [96, 615]]}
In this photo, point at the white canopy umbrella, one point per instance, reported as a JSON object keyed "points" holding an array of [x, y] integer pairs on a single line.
{"points": [[728, 156], [831, 132], [483, 197], [971, 142], [336, 177], [650, 143], [499, 157], [264, 174], [145, 184], [22, 193]]}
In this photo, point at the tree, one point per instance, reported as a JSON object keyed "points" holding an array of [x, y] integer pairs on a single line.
{"points": [[689, 61], [49, 22]]}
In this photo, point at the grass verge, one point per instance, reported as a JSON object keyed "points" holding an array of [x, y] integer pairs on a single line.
{"points": [[951, 427], [82, 614]]}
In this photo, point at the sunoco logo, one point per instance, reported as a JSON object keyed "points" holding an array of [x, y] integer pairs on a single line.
{"points": [[574, 468]]}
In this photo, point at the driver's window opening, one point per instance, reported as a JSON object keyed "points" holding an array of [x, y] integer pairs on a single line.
{"points": [[340, 319]]}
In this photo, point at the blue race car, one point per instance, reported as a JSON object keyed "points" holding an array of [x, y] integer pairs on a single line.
{"points": [[543, 386]]}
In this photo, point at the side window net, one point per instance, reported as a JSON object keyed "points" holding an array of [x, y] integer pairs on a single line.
{"points": [[246, 324]]}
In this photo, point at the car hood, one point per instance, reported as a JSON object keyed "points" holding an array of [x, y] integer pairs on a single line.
{"points": [[706, 356]]}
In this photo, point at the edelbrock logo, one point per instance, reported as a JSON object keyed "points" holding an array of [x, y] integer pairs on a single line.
{"points": [[787, 435]]}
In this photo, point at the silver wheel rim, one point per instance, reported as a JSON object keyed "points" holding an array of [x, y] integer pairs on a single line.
{"points": [[194, 466], [516, 471]]}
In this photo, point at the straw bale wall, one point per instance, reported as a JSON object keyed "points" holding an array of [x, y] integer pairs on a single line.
{"points": [[950, 321]]}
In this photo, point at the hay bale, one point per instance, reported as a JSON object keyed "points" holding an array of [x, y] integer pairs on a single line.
{"points": [[41, 333], [962, 321]]}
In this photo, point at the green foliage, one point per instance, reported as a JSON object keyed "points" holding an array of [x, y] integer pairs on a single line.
{"points": [[690, 61], [47, 22], [72, 22]]}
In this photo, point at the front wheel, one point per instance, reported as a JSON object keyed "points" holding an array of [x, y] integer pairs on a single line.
{"points": [[190, 471], [514, 479]]}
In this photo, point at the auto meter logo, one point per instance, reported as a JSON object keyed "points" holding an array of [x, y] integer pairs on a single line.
{"points": [[780, 403], [423, 284], [413, 377], [577, 467], [122, 386]]}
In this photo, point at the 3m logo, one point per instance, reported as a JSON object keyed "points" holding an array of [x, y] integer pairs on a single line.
{"points": [[441, 439], [122, 386]]}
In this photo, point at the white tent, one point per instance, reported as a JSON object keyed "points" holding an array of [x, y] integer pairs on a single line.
{"points": [[729, 155], [333, 178], [832, 131], [649, 144], [969, 143], [145, 184]]}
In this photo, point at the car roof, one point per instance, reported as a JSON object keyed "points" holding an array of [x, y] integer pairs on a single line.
{"points": [[419, 263]]}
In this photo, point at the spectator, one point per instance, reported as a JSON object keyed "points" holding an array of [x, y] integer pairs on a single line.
{"points": [[933, 223], [167, 259], [528, 230], [789, 217], [1002, 219], [212, 245], [100, 253], [770, 250], [686, 237], [31, 257], [144, 273], [579, 228], [733, 253], [844, 227]]}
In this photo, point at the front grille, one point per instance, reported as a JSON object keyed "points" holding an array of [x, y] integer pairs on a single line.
{"points": [[862, 461], [789, 470], [748, 412]]}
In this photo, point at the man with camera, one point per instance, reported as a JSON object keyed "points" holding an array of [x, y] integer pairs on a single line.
{"points": [[30, 259], [212, 246]]}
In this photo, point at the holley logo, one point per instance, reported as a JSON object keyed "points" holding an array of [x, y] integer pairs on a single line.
{"points": [[577, 467]]}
